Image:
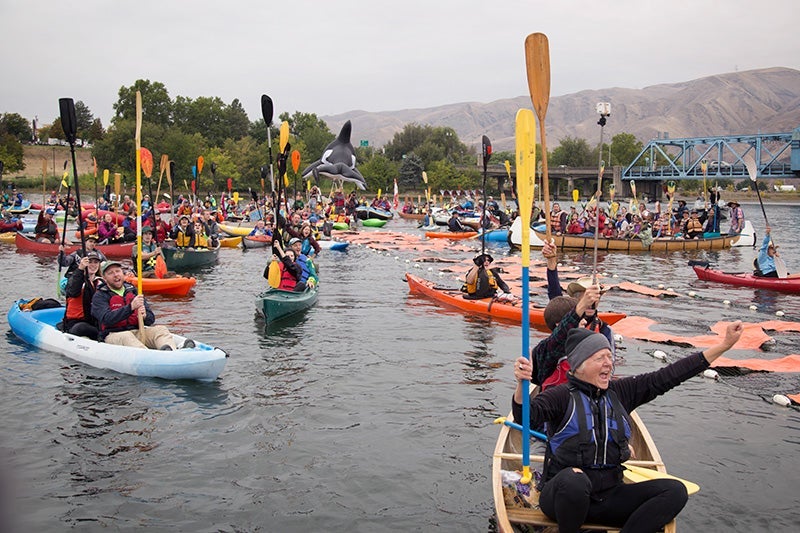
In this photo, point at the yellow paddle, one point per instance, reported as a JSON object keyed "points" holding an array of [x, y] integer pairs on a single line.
{"points": [[138, 139], [526, 158]]}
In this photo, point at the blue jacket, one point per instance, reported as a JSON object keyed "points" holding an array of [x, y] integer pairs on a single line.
{"points": [[766, 264]]}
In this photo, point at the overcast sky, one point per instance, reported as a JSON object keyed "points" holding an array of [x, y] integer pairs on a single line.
{"points": [[329, 57]]}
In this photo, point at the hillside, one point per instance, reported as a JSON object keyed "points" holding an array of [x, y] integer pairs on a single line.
{"points": [[36, 156], [765, 100]]}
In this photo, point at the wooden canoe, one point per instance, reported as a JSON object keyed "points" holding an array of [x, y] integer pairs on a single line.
{"points": [[276, 304], [183, 259], [486, 306], [175, 286], [453, 235], [112, 251], [508, 457]]}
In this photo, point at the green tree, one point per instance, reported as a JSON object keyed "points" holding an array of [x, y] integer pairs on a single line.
{"points": [[573, 152], [380, 172], [410, 173], [84, 119], [16, 125], [11, 153], [624, 148], [95, 131], [406, 141], [156, 103], [236, 120]]}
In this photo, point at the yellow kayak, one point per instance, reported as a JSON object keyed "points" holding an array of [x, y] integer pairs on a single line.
{"points": [[235, 230]]}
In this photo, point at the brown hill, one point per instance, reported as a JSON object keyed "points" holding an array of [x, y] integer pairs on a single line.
{"points": [[36, 156], [765, 100]]}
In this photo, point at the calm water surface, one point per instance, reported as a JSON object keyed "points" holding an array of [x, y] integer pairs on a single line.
{"points": [[371, 412]]}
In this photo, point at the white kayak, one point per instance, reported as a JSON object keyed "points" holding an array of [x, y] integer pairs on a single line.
{"points": [[333, 245], [38, 328]]}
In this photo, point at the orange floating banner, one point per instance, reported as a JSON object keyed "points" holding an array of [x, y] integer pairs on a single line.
{"points": [[790, 363], [638, 327]]}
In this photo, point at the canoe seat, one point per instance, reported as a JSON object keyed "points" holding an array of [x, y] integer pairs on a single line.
{"points": [[528, 515]]}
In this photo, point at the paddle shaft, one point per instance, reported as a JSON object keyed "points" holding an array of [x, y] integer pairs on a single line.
{"points": [[599, 193], [138, 139]]}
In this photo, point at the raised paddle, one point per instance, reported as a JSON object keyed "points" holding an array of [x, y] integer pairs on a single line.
{"points": [[750, 164], [266, 112], [526, 159], [604, 110], [632, 473], [575, 196], [138, 139], [162, 168], [486, 152], [537, 64], [69, 123]]}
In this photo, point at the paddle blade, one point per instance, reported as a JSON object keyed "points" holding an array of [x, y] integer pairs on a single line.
{"points": [[486, 146], [200, 162], [161, 267], [274, 275], [638, 473], [537, 63], [750, 165], [69, 121], [147, 162], [138, 134], [507, 164], [295, 160], [266, 109], [284, 135], [526, 162], [425, 177], [170, 172], [94, 164], [575, 195]]}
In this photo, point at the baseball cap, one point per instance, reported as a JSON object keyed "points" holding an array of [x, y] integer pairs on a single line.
{"points": [[93, 255], [50, 211], [107, 264], [294, 240]]}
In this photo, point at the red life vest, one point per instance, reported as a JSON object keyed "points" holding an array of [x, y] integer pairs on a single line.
{"points": [[74, 310], [115, 302], [287, 280]]}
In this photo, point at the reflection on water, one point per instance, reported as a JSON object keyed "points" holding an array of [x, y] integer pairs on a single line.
{"points": [[374, 409]]}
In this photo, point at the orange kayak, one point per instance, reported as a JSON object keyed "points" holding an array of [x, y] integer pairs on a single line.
{"points": [[454, 235], [177, 286], [511, 311]]}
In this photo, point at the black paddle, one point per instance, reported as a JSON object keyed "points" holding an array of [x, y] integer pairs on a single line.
{"points": [[486, 146], [266, 112], [69, 122]]}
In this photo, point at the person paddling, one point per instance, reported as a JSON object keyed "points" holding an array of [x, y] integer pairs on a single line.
{"points": [[765, 261]]}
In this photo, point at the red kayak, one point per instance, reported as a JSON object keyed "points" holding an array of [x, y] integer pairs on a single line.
{"points": [[29, 244], [487, 306], [118, 218], [177, 286], [746, 279], [454, 235]]}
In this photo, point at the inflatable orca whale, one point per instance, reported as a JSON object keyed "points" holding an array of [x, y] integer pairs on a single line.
{"points": [[338, 161]]}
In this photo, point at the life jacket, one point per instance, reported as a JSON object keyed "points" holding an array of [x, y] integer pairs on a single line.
{"points": [[116, 302], [200, 240], [288, 281], [183, 239], [592, 436], [74, 307], [485, 278], [555, 221]]}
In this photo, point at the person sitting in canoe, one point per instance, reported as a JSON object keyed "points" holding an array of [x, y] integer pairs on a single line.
{"points": [[80, 289], [582, 478], [737, 218], [260, 229], [116, 306], [483, 281], [201, 238], [309, 274], [212, 229], [108, 231], [291, 271], [310, 248], [46, 229], [454, 224], [183, 233], [765, 261], [71, 260], [693, 228]]}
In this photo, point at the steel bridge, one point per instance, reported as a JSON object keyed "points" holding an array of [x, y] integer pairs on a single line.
{"points": [[678, 159]]}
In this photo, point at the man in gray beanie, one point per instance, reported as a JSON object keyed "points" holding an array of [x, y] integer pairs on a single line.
{"points": [[583, 343]]}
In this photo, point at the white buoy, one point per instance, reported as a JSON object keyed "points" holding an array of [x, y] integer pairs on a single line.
{"points": [[782, 400], [669, 289], [726, 302], [430, 269], [661, 286], [692, 294], [779, 313], [614, 276], [618, 337], [416, 265], [396, 258], [408, 260], [661, 356], [441, 273], [710, 374], [753, 308]]}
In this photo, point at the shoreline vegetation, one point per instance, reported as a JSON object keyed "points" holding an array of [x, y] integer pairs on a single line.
{"points": [[37, 156]]}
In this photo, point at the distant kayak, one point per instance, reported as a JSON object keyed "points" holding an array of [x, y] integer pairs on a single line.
{"points": [[747, 279]]}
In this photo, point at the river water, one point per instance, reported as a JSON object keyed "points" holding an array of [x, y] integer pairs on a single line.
{"points": [[371, 412]]}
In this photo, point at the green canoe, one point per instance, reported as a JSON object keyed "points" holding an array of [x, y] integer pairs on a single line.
{"points": [[275, 304], [182, 259]]}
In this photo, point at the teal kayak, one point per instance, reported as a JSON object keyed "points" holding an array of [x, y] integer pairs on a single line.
{"points": [[276, 304]]}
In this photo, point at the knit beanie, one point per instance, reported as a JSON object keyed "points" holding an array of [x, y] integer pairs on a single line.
{"points": [[582, 344]]}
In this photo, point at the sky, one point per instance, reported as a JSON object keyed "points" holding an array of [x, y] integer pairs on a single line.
{"points": [[333, 56]]}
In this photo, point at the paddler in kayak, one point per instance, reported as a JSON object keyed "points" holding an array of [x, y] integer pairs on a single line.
{"points": [[80, 289], [765, 261], [117, 307], [71, 261], [582, 477], [482, 281], [46, 229]]}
